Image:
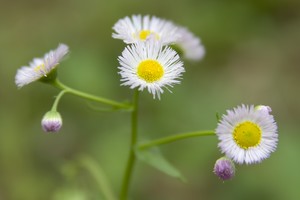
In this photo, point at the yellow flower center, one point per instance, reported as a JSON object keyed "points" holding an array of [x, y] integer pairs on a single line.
{"points": [[150, 70], [143, 35], [247, 134], [40, 67]]}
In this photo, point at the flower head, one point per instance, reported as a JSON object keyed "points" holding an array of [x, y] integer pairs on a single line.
{"points": [[51, 121], [247, 135], [149, 65], [224, 168], [189, 45], [40, 67], [140, 28]]}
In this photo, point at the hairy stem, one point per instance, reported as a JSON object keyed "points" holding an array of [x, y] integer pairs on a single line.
{"points": [[57, 99], [56, 83], [131, 158], [174, 138]]}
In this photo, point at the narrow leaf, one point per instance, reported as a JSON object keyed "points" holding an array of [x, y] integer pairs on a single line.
{"points": [[154, 158]]}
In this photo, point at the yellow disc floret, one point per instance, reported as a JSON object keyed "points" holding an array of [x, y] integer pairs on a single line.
{"points": [[144, 34], [40, 67], [247, 134], [150, 70]]}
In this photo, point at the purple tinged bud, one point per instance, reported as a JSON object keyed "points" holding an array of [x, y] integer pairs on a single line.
{"points": [[266, 109], [51, 121], [224, 168]]}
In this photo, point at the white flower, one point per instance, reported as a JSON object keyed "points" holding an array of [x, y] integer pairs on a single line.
{"points": [[138, 28], [190, 45], [149, 65], [40, 67], [247, 135]]}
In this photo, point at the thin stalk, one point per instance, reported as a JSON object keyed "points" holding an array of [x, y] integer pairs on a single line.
{"points": [[131, 158], [174, 138], [57, 99], [56, 83]]}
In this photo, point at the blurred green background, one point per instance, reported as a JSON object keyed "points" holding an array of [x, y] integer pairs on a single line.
{"points": [[253, 57]]}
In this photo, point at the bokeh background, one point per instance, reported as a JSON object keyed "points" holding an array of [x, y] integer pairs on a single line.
{"points": [[253, 57]]}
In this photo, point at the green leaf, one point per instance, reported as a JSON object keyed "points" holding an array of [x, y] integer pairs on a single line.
{"points": [[154, 158]]}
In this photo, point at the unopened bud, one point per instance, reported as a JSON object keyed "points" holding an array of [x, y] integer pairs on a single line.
{"points": [[224, 168], [51, 121], [266, 109]]}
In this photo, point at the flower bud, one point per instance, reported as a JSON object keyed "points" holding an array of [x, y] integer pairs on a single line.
{"points": [[266, 109], [224, 168], [51, 121]]}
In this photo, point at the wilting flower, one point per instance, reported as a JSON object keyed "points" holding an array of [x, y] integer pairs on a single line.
{"points": [[247, 135], [149, 65], [41, 68], [140, 28], [224, 168], [51, 121], [189, 45]]}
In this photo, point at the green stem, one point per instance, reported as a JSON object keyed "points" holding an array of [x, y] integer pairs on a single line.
{"points": [[174, 138], [56, 83], [131, 158], [98, 174], [57, 99]]}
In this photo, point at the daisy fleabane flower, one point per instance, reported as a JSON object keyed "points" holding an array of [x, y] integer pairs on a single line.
{"points": [[40, 67], [247, 134], [139, 28], [189, 45], [150, 65]]}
